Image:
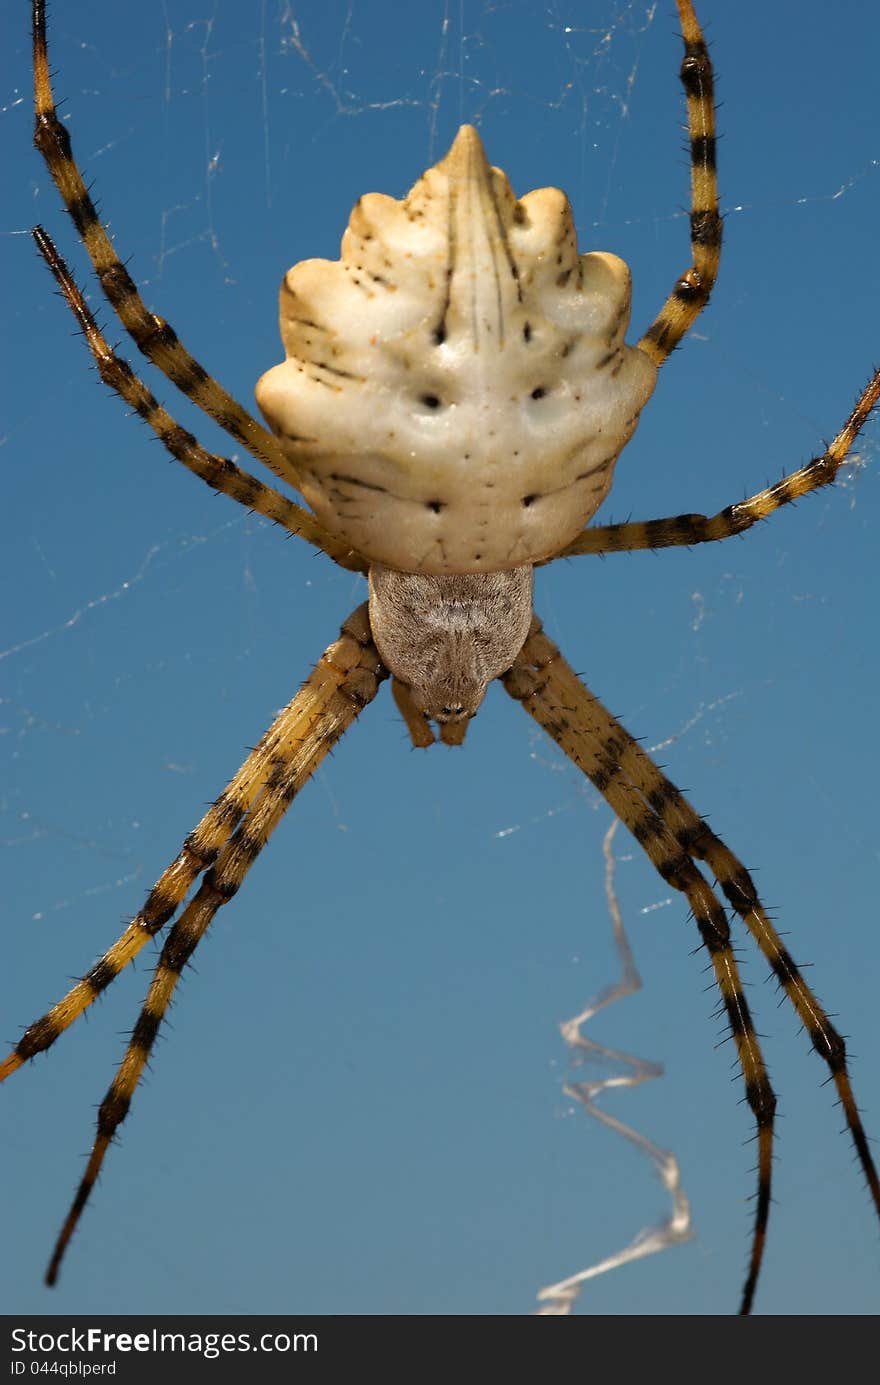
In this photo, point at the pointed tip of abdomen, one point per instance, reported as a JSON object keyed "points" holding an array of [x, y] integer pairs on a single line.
{"points": [[466, 154]]}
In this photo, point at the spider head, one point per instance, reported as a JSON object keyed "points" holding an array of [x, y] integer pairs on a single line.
{"points": [[446, 637]]}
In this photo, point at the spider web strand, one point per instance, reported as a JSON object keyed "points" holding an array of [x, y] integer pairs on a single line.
{"points": [[559, 1298]]}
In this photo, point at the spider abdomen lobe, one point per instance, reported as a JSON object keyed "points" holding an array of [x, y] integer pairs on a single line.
{"points": [[457, 387]]}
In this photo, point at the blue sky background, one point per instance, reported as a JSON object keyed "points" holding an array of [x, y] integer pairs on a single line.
{"points": [[358, 1108]]}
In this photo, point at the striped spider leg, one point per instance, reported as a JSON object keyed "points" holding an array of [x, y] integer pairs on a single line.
{"points": [[220, 473], [675, 838], [222, 848], [691, 291], [157, 340], [686, 530], [675, 319], [227, 840], [153, 336]]}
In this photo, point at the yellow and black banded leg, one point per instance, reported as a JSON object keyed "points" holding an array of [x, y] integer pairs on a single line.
{"points": [[344, 681], [697, 838], [692, 290], [551, 692], [296, 730], [684, 530], [154, 337], [220, 473]]}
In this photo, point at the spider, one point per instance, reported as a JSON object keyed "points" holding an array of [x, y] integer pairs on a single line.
{"points": [[454, 398]]}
